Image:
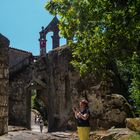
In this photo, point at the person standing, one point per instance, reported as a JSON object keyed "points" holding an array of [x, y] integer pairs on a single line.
{"points": [[41, 123], [82, 118], [35, 118]]}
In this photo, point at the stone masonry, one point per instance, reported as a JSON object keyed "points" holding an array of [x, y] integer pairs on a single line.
{"points": [[4, 83], [20, 76]]}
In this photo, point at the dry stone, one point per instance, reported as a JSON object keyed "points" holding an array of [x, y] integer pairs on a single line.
{"points": [[20, 99], [133, 124]]}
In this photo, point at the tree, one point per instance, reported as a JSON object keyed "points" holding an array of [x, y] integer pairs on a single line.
{"points": [[105, 33], [135, 84]]}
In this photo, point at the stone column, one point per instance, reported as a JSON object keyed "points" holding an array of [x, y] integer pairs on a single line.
{"points": [[4, 84], [55, 40], [42, 47], [42, 41]]}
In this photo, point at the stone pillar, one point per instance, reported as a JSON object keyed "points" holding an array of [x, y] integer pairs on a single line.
{"points": [[4, 84], [55, 40], [42, 41], [43, 47]]}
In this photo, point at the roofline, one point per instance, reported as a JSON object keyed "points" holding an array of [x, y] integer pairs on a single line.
{"points": [[20, 50]]}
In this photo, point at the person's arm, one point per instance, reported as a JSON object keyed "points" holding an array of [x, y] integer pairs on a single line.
{"points": [[75, 112], [83, 116]]}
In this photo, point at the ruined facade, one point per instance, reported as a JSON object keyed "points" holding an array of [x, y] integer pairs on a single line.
{"points": [[20, 68], [4, 83], [60, 87]]}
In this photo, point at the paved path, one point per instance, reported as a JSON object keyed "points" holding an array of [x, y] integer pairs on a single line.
{"points": [[32, 135], [35, 126], [21, 133]]}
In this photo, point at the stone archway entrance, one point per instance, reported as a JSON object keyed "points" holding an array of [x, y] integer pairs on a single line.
{"points": [[40, 88]]}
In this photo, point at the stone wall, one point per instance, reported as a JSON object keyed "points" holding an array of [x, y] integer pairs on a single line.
{"points": [[4, 84], [18, 60], [16, 56], [20, 68], [20, 98]]}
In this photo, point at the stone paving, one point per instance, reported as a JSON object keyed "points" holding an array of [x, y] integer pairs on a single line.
{"points": [[21, 133], [36, 135]]}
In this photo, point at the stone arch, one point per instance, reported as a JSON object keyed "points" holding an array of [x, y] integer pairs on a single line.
{"points": [[52, 27], [49, 41], [40, 87]]}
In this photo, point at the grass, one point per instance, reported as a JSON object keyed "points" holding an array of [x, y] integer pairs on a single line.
{"points": [[134, 137]]}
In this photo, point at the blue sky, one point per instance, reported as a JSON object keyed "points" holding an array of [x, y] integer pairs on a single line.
{"points": [[21, 21]]}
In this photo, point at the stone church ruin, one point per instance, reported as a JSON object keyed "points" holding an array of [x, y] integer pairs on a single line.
{"points": [[58, 85]]}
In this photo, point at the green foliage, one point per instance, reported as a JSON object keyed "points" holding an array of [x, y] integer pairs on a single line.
{"points": [[103, 31], [103, 34], [36, 103], [134, 137], [130, 73], [135, 85]]}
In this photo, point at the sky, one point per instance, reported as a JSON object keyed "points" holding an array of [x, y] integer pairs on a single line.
{"points": [[21, 22]]}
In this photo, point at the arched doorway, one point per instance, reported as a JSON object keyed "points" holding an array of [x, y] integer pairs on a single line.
{"points": [[49, 41], [37, 103]]}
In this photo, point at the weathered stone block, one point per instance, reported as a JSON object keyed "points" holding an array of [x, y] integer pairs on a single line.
{"points": [[3, 125], [3, 112], [133, 124], [6, 73], [3, 100], [3, 87], [1, 73]]}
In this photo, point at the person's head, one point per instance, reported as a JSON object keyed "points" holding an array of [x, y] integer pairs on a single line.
{"points": [[83, 104]]}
